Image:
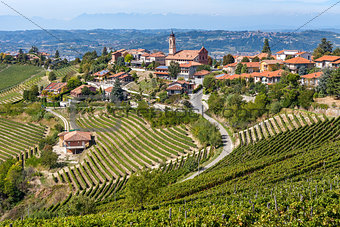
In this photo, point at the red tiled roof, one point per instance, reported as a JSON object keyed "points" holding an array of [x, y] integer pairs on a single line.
{"points": [[202, 73], [76, 136], [189, 64], [272, 62], [298, 60], [312, 75], [77, 91], [231, 65], [252, 64], [162, 73], [109, 89], [337, 62], [55, 86], [174, 88], [185, 55], [117, 75], [268, 74], [328, 58]]}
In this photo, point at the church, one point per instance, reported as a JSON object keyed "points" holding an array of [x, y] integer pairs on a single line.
{"points": [[185, 56]]}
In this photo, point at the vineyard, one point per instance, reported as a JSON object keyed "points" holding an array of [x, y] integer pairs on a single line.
{"points": [[276, 125], [123, 146], [290, 179], [14, 94], [18, 139], [66, 71]]}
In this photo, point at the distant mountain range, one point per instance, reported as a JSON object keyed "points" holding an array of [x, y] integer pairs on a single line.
{"points": [[270, 21], [72, 43]]}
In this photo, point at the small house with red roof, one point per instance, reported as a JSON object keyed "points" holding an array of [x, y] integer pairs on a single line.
{"points": [[270, 65], [199, 76], [311, 79], [294, 64], [123, 77], [327, 61], [116, 55], [76, 141], [180, 87], [56, 88], [77, 92]]}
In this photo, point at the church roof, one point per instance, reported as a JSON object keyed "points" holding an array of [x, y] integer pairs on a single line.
{"points": [[188, 55]]}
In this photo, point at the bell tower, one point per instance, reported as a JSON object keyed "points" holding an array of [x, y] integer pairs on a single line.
{"points": [[172, 44]]}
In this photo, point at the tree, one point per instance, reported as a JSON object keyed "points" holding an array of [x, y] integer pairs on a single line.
{"points": [[333, 85], [128, 58], [238, 69], [256, 59], [117, 94], [324, 48], [336, 52], [209, 81], [86, 91], [33, 50], [143, 186], [305, 98], [104, 53], [79, 205], [21, 51], [303, 71], [73, 83], [228, 59], [203, 67], [210, 61], [174, 69], [266, 47], [52, 76], [49, 158], [244, 68], [57, 55], [245, 59]]}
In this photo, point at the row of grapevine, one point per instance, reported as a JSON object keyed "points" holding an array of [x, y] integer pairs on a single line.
{"points": [[276, 125], [123, 146], [17, 138], [14, 94], [66, 71]]}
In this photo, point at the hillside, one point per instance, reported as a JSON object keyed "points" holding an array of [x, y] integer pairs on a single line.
{"points": [[215, 41], [287, 179]]}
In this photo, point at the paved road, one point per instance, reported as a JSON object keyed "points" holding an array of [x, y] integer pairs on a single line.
{"points": [[66, 124], [196, 101]]}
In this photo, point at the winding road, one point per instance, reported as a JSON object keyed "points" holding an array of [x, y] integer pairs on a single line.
{"points": [[66, 124], [196, 101]]}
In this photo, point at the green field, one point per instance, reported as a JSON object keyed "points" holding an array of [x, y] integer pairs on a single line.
{"points": [[15, 74]]}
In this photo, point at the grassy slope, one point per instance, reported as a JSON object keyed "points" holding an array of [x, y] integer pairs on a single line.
{"points": [[290, 179], [15, 74]]}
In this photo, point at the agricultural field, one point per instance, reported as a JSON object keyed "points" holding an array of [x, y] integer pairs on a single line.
{"points": [[14, 94], [66, 71], [291, 178], [123, 146], [17, 138], [276, 125], [12, 75]]}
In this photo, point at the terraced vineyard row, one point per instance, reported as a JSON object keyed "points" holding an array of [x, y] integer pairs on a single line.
{"points": [[296, 183], [17, 138], [14, 94], [67, 70], [123, 146], [277, 125]]}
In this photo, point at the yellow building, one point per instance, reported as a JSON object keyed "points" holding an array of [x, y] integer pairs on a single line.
{"points": [[270, 65]]}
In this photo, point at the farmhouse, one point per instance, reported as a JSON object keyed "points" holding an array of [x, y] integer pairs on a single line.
{"points": [[56, 88], [77, 92], [294, 64], [311, 79], [75, 142], [270, 65], [116, 55], [180, 87], [122, 76], [199, 76], [327, 61]]}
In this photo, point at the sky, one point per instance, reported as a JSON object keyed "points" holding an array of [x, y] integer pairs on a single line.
{"points": [[67, 9], [225, 13]]}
